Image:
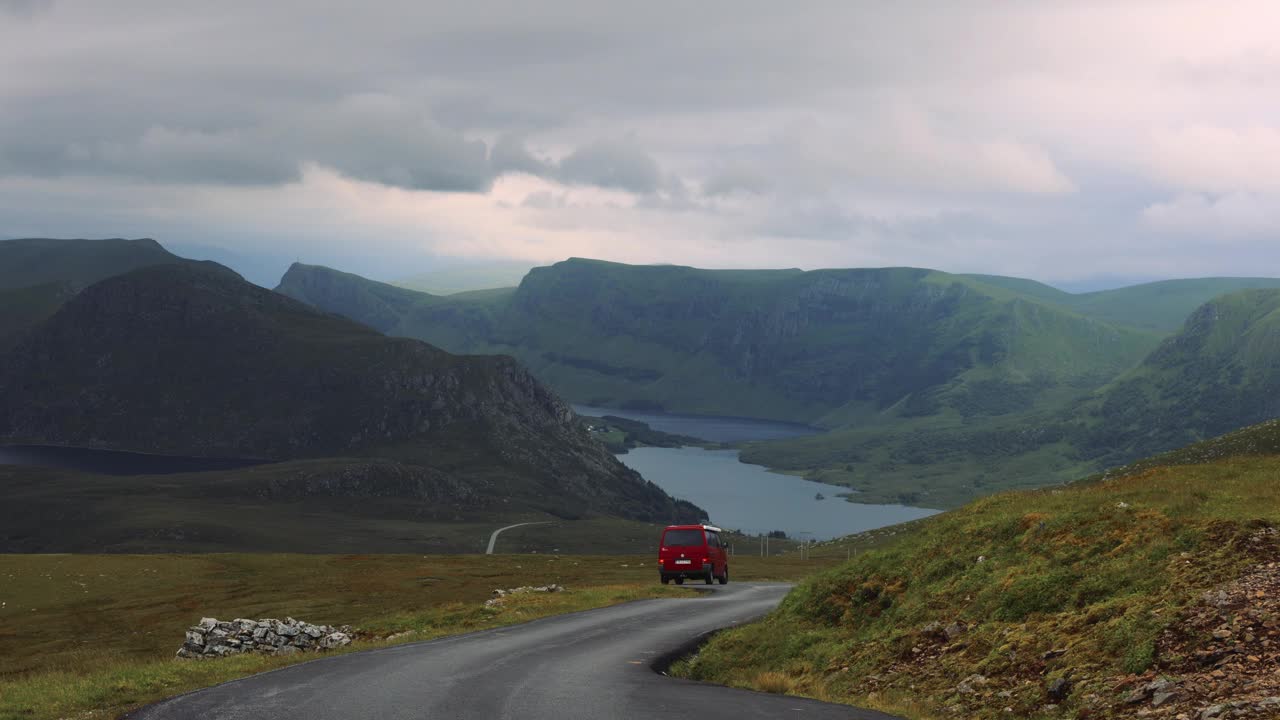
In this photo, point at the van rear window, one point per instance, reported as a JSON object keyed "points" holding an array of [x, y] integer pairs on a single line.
{"points": [[683, 538]]}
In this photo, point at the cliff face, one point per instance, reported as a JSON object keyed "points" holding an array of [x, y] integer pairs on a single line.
{"points": [[189, 359]]}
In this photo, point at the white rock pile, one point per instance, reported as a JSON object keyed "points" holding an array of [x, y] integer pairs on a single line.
{"points": [[500, 596], [215, 638]]}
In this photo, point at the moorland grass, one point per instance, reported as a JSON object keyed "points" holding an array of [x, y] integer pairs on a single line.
{"points": [[94, 635], [1095, 569]]}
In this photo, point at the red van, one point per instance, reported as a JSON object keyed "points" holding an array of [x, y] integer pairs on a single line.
{"points": [[692, 551]]}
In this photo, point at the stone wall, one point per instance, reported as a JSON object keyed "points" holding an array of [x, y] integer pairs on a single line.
{"points": [[215, 638]]}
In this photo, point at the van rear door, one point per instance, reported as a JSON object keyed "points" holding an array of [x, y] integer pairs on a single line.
{"points": [[683, 549]]}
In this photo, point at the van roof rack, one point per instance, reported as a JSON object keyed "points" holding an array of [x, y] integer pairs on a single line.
{"points": [[712, 528]]}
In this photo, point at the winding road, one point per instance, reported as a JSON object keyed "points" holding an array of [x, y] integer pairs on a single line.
{"points": [[595, 665], [493, 539]]}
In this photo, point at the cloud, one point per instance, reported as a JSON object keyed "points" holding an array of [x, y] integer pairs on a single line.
{"points": [[1226, 216], [619, 164], [902, 148], [510, 154], [736, 179], [1027, 132], [25, 9], [1218, 159]]}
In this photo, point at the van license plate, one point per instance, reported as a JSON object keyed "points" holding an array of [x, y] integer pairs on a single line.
{"points": [[683, 562]]}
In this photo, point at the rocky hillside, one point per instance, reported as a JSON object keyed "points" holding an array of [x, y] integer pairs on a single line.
{"points": [[1148, 592], [826, 347], [189, 359]]}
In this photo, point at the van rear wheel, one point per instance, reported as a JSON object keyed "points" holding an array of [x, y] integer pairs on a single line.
{"points": [[666, 580], [724, 579], [711, 577], [679, 581]]}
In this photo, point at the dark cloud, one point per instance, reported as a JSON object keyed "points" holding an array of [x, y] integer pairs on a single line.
{"points": [[25, 9], [510, 154], [727, 181], [616, 164], [730, 120]]}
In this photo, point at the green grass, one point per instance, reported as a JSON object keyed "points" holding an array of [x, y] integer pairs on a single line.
{"points": [[1098, 568], [81, 634]]}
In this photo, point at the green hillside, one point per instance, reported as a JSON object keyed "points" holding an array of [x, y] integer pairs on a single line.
{"points": [[1219, 373], [827, 347], [936, 388], [1149, 592], [1222, 371], [189, 359], [1157, 306]]}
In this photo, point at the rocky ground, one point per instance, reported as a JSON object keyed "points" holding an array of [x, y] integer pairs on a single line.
{"points": [[1219, 658], [1222, 659]]}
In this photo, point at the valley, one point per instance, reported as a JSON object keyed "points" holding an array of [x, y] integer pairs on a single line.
{"points": [[931, 389], [605, 361], [319, 444]]}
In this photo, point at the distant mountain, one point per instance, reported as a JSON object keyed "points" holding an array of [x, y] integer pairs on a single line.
{"points": [[936, 387], [828, 346], [1221, 372], [1157, 306], [37, 275], [465, 278], [190, 359]]}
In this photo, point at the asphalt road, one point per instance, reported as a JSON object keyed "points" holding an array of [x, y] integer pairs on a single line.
{"points": [[593, 665]]}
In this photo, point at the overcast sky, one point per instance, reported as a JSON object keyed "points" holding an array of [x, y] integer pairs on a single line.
{"points": [[1064, 141]]}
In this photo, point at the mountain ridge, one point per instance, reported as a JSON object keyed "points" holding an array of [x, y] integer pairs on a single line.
{"points": [[786, 344], [245, 372]]}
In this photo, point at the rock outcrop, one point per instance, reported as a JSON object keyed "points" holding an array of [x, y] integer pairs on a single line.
{"points": [[500, 596], [212, 638]]}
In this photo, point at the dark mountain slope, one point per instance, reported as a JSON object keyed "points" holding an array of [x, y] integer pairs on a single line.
{"points": [[37, 275], [79, 263], [190, 359]]}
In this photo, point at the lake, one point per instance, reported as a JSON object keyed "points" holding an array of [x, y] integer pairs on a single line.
{"points": [[749, 497], [754, 500], [111, 462], [708, 427]]}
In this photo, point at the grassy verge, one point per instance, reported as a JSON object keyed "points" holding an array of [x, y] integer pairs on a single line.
{"points": [[976, 613], [94, 635]]}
